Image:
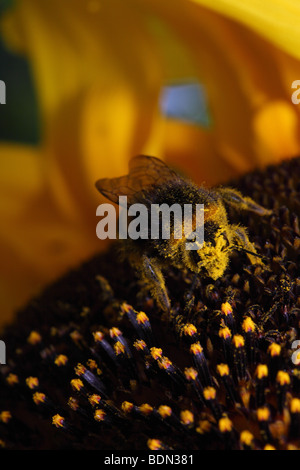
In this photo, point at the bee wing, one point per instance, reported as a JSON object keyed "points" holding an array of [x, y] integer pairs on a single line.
{"points": [[112, 188], [144, 171]]}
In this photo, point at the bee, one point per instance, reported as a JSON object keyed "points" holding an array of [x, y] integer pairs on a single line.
{"points": [[151, 181]]}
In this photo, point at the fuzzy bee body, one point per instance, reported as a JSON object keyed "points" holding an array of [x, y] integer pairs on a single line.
{"points": [[150, 181]]}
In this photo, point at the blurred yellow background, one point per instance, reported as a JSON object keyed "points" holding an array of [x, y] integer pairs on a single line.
{"points": [[204, 85]]}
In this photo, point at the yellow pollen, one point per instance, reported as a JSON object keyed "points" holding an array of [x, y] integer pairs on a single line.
{"points": [[61, 360], [226, 308], [98, 336], [92, 364], [5, 416], [191, 373], [76, 336], [142, 317], [139, 344], [224, 332], [127, 406], [99, 415], [248, 325], [32, 382], [295, 405], [225, 424], [263, 414], [274, 349], [186, 417], [209, 393], [145, 409], [164, 411], [223, 369], [196, 348], [203, 427], [80, 369], [189, 329], [126, 308], [73, 403], [119, 348], [76, 384], [34, 338], [238, 341], [283, 378], [156, 353], [38, 398], [114, 332], [154, 444], [261, 371], [12, 379], [246, 437], [58, 421], [164, 363], [94, 399]]}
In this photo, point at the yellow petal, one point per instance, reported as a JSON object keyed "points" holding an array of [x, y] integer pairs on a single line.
{"points": [[275, 20]]}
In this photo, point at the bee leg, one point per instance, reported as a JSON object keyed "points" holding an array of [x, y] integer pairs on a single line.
{"points": [[237, 201], [152, 275], [240, 239]]}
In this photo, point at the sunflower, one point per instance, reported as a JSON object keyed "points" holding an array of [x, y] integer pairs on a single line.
{"points": [[100, 71]]}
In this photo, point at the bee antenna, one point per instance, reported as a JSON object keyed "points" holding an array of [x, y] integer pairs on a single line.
{"points": [[239, 248]]}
